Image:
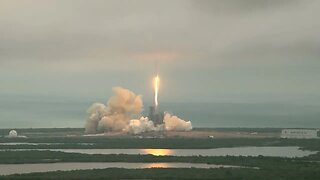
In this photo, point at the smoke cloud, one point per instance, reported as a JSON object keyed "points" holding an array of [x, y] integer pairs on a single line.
{"points": [[123, 113], [137, 126], [94, 114], [173, 123], [115, 116]]}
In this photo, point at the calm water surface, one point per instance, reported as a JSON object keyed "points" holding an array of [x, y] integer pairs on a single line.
{"points": [[234, 151], [288, 151], [7, 169]]}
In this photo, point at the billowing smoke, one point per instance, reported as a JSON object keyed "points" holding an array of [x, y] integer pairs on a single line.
{"points": [[137, 126], [115, 116], [123, 113], [95, 113], [173, 123]]}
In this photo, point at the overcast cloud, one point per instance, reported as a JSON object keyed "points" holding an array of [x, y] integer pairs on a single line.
{"points": [[208, 50]]}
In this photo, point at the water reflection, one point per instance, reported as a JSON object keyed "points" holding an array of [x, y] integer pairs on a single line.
{"points": [[158, 165], [158, 152]]}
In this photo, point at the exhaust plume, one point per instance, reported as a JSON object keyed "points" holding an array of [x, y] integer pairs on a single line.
{"points": [[173, 123], [94, 114], [115, 116], [137, 126], [156, 89], [123, 113]]}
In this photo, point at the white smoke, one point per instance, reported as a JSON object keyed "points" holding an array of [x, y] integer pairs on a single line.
{"points": [[94, 114], [123, 113], [137, 126], [115, 116], [173, 123]]}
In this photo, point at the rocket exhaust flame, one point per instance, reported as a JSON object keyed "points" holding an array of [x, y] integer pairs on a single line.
{"points": [[156, 89]]}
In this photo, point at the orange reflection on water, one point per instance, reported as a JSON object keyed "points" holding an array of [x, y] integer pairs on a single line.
{"points": [[157, 165], [158, 152]]}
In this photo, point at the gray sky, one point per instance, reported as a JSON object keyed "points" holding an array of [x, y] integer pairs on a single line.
{"points": [[213, 51]]}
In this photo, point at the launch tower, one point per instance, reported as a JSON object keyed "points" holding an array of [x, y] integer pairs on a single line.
{"points": [[156, 116]]}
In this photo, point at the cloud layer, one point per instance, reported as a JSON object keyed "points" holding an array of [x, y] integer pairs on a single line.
{"points": [[268, 47]]}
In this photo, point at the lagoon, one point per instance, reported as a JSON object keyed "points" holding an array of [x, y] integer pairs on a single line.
{"points": [[8, 169], [270, 151]]}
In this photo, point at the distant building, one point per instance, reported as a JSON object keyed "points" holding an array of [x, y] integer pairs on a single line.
{"points": [[155, 116], [13, 134], [300, 133]]}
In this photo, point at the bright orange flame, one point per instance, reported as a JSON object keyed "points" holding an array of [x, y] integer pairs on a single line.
{"points": [[158, 152], [156, 89]]}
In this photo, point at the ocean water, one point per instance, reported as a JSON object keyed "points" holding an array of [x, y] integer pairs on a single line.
{"points": [[64, 112]]}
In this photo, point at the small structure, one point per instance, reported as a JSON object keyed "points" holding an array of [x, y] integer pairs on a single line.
{"points": [[300, 133], [155, 115], [13, 134]]}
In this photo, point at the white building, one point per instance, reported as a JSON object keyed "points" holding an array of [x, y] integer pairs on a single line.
{"points": [[300, 133], [13, 134]]}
